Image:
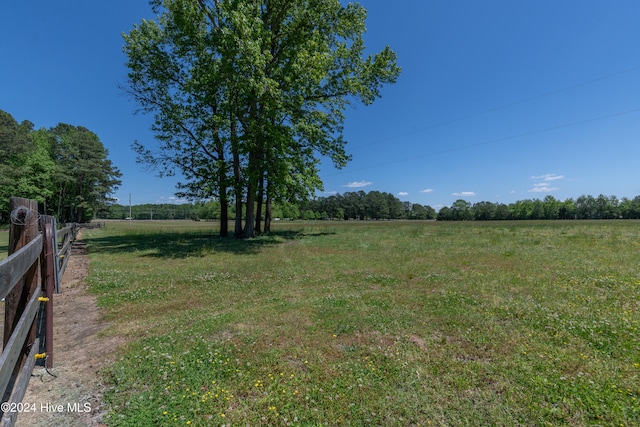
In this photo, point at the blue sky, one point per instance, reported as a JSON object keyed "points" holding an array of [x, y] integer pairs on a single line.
{"points": [[499, 100]]}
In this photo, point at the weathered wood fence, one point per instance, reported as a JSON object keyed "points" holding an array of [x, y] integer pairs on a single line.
{"points": [[29, 276]]}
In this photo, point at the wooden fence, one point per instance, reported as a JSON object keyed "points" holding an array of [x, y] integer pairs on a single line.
{"points": [[34, 247]]}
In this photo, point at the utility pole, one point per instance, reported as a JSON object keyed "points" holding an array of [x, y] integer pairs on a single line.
{"points": [[130, 210]]}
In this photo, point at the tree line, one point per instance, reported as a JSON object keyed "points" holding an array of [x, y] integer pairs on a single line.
{"points": [[584, 207], [64, 168], [376, 205], [152, 211], [248, 95], [359, 205]]}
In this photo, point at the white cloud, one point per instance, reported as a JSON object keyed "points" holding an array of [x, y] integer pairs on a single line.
{"points": [[549, 177], [542, 188], [545, 187], [358, 184], [171, 200], [403, 193], [465, 194], [427, 190], [331, 192]]}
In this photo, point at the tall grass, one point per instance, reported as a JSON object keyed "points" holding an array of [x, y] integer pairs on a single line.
{"points": [[391, 323]]}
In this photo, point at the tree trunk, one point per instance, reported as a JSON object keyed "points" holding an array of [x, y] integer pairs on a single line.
{"points": [[238, 232], [237, 175], [222, 186], [249, 222], [259, 207], [78, 216], [60, 203], [254, 172], [224, 214], [267, 215]]}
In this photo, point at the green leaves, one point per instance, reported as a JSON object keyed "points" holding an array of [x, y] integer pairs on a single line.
{"points": [[65, 168], [86, 176], [252, 91]]}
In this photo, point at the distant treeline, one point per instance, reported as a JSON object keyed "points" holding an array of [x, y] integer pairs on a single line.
{"points": [[374, 205], [152, 211], [377, 205], [356, 205], [584, 207]]}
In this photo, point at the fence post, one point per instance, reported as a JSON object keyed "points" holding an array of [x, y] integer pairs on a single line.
{"points": [[23, 229], [48, 275]]}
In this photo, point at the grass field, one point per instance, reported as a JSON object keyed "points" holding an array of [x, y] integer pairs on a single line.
{"points": [[4, 243], [390, 323]]}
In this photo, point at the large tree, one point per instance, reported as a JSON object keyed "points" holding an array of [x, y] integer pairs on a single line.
{"points": [[65, 169], [86, 176], [15, 147], [247, 95]]}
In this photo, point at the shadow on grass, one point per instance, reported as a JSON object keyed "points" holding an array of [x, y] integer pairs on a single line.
{"points": [[187, 244]]}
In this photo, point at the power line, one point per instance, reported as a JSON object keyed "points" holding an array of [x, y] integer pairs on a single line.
{"points": [[502, 107], [492, 141]]}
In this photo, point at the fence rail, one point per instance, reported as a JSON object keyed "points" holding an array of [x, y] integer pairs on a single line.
{"points": [[63, 240], [33, 243], [15, 266]]}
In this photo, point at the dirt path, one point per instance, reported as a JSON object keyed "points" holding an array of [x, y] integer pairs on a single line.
{"points": [[78, 356]]}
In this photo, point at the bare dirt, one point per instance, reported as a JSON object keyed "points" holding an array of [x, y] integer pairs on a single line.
{"points": [[79, 352]]}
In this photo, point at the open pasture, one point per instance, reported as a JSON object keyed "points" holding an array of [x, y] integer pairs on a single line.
{"points": [[372, 323]]}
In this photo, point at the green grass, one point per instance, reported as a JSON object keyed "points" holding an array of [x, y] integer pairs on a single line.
{"points": [[389, 323], [4, 244]]}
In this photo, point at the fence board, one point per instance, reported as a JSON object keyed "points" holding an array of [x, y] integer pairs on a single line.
{"points": [[23, 229], [12, 350], [19, 284], [16, 265], [66, 237], [64, 232], [20, 387]]}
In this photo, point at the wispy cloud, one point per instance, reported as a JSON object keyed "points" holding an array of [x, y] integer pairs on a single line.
{"points": [[549, 177], [465, 194], [545, 186], [333, 193], [403, 193], [358, 184], [427, 190], [542, 188]]}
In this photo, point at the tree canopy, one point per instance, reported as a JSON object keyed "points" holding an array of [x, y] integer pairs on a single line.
{"points": [[248, 95], [65, 169]]}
